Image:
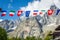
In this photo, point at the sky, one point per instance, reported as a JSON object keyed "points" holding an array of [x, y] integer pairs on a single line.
{"points": [[12, 5], [24, 5]]}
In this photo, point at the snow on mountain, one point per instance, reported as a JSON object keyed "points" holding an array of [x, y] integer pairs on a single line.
{"points": [[51, 22], [42, 24], [57, 3], [24, 27], [8, 25]]}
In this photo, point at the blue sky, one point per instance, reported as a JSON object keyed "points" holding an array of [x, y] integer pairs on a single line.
{"points": [[12, 5]]}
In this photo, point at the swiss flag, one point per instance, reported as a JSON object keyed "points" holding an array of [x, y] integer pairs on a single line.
{"points": [[3, 13], [50, 12], [19, 12], [11, 13]]}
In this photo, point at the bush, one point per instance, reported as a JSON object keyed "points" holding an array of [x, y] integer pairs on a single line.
{"points": [[39, 38], [49, 37], [13, 38], [3, 34], [30, 38]]}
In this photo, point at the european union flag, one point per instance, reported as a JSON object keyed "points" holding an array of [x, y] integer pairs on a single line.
{"points": [[27, 13], [58, 11]]}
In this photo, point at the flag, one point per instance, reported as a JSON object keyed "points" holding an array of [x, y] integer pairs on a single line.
{"points": [[27, 13], [3, 13], [11, 13], [50, 12], [41, 13], [58, 11], [35, 12], [19, 12]]}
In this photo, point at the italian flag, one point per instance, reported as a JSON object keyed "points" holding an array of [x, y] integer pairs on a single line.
{"points": [[42, 12], [19, 12], [3, 13], [11, 13]]}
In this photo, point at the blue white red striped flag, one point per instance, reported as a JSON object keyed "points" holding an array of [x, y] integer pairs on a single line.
{"points": [[35, 12], [3, 13]]}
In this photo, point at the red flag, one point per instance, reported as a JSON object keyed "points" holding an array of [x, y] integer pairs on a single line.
{"points": [[19, 12], [50, 12]]}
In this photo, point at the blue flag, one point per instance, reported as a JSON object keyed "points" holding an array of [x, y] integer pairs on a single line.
{"points": [[27, 13], [58, 11]]}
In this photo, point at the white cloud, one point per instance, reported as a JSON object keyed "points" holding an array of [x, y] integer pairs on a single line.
{"points": [[38, 5], [57, 3]]}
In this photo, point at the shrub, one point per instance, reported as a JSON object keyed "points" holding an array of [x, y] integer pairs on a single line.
{"points": [[3, 34]]}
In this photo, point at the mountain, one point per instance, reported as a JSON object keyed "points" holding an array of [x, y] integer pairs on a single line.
{"points": [[32, 26], [28, 27], [8, 25], [50, 23]]}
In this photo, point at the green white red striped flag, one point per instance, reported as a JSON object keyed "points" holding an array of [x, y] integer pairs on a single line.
{"points": [[11, 13]]}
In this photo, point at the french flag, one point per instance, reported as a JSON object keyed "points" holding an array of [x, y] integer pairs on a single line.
{"points": [[3, 13], [11, 13], [35, 12], [19, 12]]}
